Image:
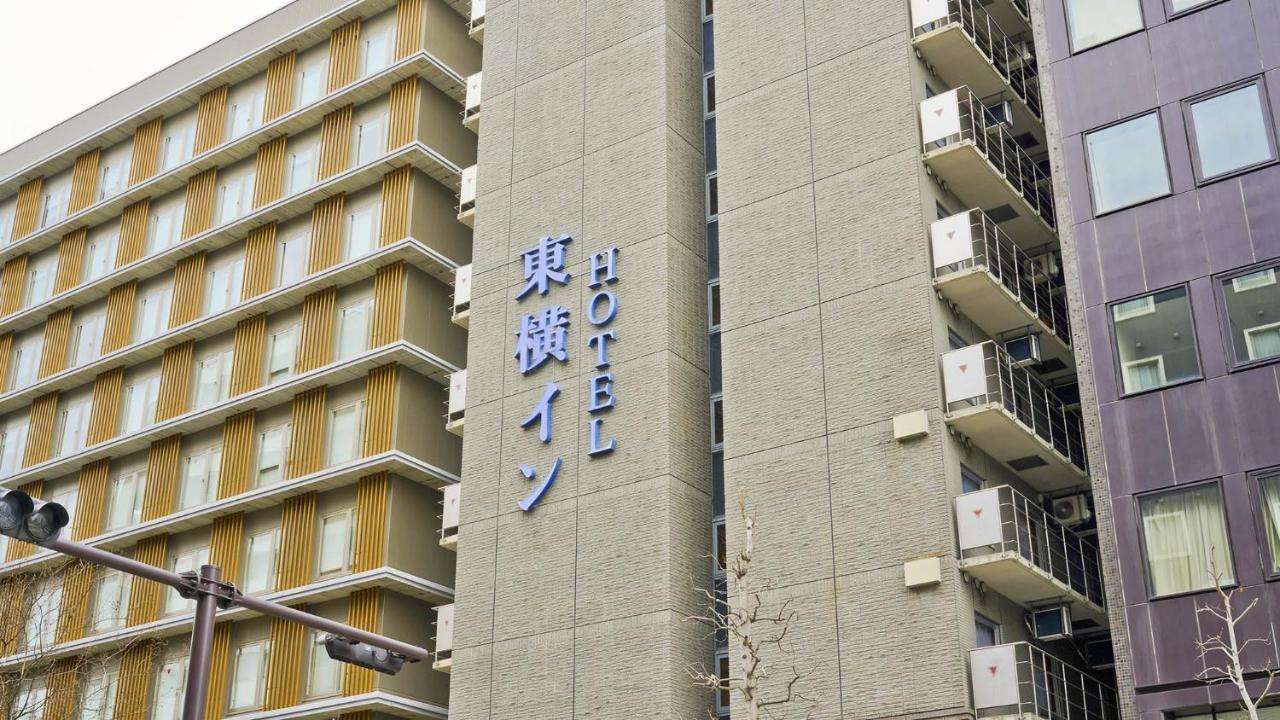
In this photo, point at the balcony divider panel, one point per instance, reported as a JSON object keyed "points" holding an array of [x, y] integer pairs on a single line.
{"points": [[163, 461], [145, 151], [18, 550], [364, 611], [73, 610], [188, 282], [372, 496], [12, 279], [13, 596], [145, 595], [104, 418], [133, 233], [344, 54], [403, 112], [44, 411], [26, 216], [70, 260], [225, 539], [335, 143], [326, 234], [91, 500], [268, 179], [306, 449], [215, 704], [237, 454], [198, 215], [84, 181], [279, 100], [211, 115], [388, 305], [175, 381], [297, 535], [315, 347], [62, 690], [379, 409], [249, 348], [259, 261], [57, 333], [394, 224], [408, 27], [134, 685]]}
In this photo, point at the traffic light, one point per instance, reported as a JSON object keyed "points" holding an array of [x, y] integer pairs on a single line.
{"points": [[29, 520], [363, 655]]}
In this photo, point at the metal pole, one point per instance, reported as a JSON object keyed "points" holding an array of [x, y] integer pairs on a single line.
{"points": [[201, 643]]}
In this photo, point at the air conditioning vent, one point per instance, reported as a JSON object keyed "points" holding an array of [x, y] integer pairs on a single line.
{"points": [[998, 115], [1029, 462], [1023, 351], [1051, 623], [1072, 510], [1099, 654], [1002, 213]]}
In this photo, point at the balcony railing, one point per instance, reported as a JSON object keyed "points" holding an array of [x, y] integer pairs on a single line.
{"points": [[1002, 520], [1023, 680], [1013, 60], [984, 374], [972, 240], [959, 116]]}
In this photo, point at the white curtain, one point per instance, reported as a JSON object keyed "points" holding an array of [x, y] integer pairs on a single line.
{"points": [[1186, 537], [1271, 507]]}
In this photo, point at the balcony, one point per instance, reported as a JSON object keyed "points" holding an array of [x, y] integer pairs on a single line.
{"points": [[453, 421], [966, 46], [1020, 680], [476, 26], [995, 283], [462, 296], [451, 509], [467, 198], [970, 149], [1010, 543], [471, 107], [444, 638], [1005, 410]]}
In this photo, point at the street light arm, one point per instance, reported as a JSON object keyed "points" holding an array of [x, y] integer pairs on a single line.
{"points": [[98, 556]]}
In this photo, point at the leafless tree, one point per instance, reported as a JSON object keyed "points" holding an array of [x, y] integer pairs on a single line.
{"points": [[1223, 653], [758, 634]]}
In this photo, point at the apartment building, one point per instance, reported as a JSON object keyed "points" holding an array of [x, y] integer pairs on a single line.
{"points": [[228, 338]]}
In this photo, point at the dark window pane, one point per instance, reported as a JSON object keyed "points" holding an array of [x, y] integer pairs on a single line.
{"points": [[1253, 311], [1155, 340]]}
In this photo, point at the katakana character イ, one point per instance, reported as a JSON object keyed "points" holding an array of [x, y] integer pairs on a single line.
{"points": [[542, 413]]}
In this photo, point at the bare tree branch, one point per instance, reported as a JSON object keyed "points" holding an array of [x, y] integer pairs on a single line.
{"points": [[1227, 650]]}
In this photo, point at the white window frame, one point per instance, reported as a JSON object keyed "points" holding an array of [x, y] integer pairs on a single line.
{"points": [[26, 362], [177, 142], [100, 253], [173, 703], [314, 65], [716, 399], [41, 623], [300, 172], [1156, 360], [285, 337], [347, 517], [169, 215], [316, 653], [290, 273], [360, 211], [266, 584], [284, 431], [145, 391], [110, 608], [1243, 283], [199, 484], [29, 700], [38, 286], [1129, 309], [73, 427], [235, 196], [369, 140], [54, 199], [185, 561], [103, 685], [153, 313], [356, 407], [1250, 333], [125, 493], [236, 704], [13, 443], [366, 304], [223, 285], [86, 338]]}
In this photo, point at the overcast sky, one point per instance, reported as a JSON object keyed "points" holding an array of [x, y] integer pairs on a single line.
{"points": [[58, 57]]}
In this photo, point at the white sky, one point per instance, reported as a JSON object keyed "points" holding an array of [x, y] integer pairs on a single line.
{"points": [[58, 57]]}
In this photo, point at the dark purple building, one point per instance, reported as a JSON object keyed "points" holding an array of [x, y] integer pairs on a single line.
{"points": [[1166, 114]]}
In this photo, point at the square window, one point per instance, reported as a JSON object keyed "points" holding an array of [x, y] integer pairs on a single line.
{"points": [[1127, 163], [1230, 131], [1156, 347], [1252, 304], [1093, 22], [1184, 534]]}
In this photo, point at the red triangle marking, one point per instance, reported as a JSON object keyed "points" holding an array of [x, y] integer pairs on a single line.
{"points": [[951, 235], [938, 112], [977, 513], [964, 367], [992, 669]]}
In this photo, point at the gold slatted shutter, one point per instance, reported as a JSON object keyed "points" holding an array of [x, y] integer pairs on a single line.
{"points": [[62, 690], [163, 460], [326, 234], [372, 497], [335, 143], [145, 596], [84, 181], [236, 469], [73, 610], [379, 409], [18, 550], [247, 354], [306, 449], [268, 179], [70, 261], [344, 52], [6, 351], [403, 113], [175, 381], [91, 500], [225, 540], [119, 325], [12, 279], [198, 215], [188, 288], [388, 305], [145, 151], [284, 671], [219, 661], [57, 333], [133, 233], [211, 116], [279, 86], [13, 595], [297, 535], [134, 685], [104, 417], [364, 611], [27, 213], [259, 261], [44, 413], [409, 28], [394, 225], [315, 347]]}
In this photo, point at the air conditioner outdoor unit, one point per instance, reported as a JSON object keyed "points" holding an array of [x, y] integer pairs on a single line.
{"points": [[1072, 510], [1023, 351], [1052, 622], [1099, 655], [1000, 113], [1045, 267]]}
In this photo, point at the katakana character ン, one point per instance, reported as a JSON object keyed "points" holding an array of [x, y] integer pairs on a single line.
{"points": [[542, 413], [543, 335], [544, 264], [535, 497]]}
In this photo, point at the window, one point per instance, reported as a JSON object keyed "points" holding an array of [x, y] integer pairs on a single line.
{"points": [[369, 142], [39, 286], [113, 177], [1252, 304], [163, 225], [1156, 346], [246, 680], [200, 477], [98, 695], [26, 361], [1178, 6], [361, 230], [222, 286], [12, 444], [153, 313], [970, 481], [53, 206], [986, 632], [260, 562], [244, 113], [110, 601], [124, 505], [713, 196], [170, 685], [213, 379], [188, 561], [311, 79], [709, 95], [140, 404], [335, 543], [291, 258], [273, 447], [283, 352], [376, 50], [1230, 131], [28, 700], [721, 544], [301, 170], [1127, 163], [235, 197], [73, 427], [67, 498], [722, 673], [1185, 537], [100, 253], [86, 339], [353, 329], [1093, 22], [717, 421], [7, 211], [345, 429], [42, 617], [713, 305], [324, 675], [177, 144]]}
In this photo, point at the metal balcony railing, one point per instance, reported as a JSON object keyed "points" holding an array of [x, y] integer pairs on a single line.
{"points": [[1026, 279], [1021, 679], [1028, 400], [1023, 527], [994, 141], [1014, 60]]}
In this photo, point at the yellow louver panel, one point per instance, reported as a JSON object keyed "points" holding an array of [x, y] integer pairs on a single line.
{"points": [[359, 715], [344, 52], [57, 332], [297, 531], [284, 671], [13, 594], [259, 261], [224, 545], [6, 350], [379, 409], [279, 86], [211, 115], [44, 411], [315, 347], [409, 32], [91, 500], [27, 213], [249, 349], [73, 613], [105, 415], [403, 112], [133, 233], [134, 684], [388, 305], [326, 234], [395, 206], [62, 690], [198, 216], [188, 281], [145, 595], [234, 473], [371, 522], [146, 151], [12, 279], [84, 181], [364, 611], [268, 180], [162, 477], [70, 260], [175, 381], [216, 703], [19, 550], [119, 326], [335, 143], [306, 450]]}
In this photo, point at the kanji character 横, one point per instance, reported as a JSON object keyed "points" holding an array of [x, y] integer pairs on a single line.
{"points": [[541, 336]]}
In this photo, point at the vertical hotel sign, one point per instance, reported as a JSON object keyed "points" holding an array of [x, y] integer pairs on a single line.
{"points": [[544, 336]]}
